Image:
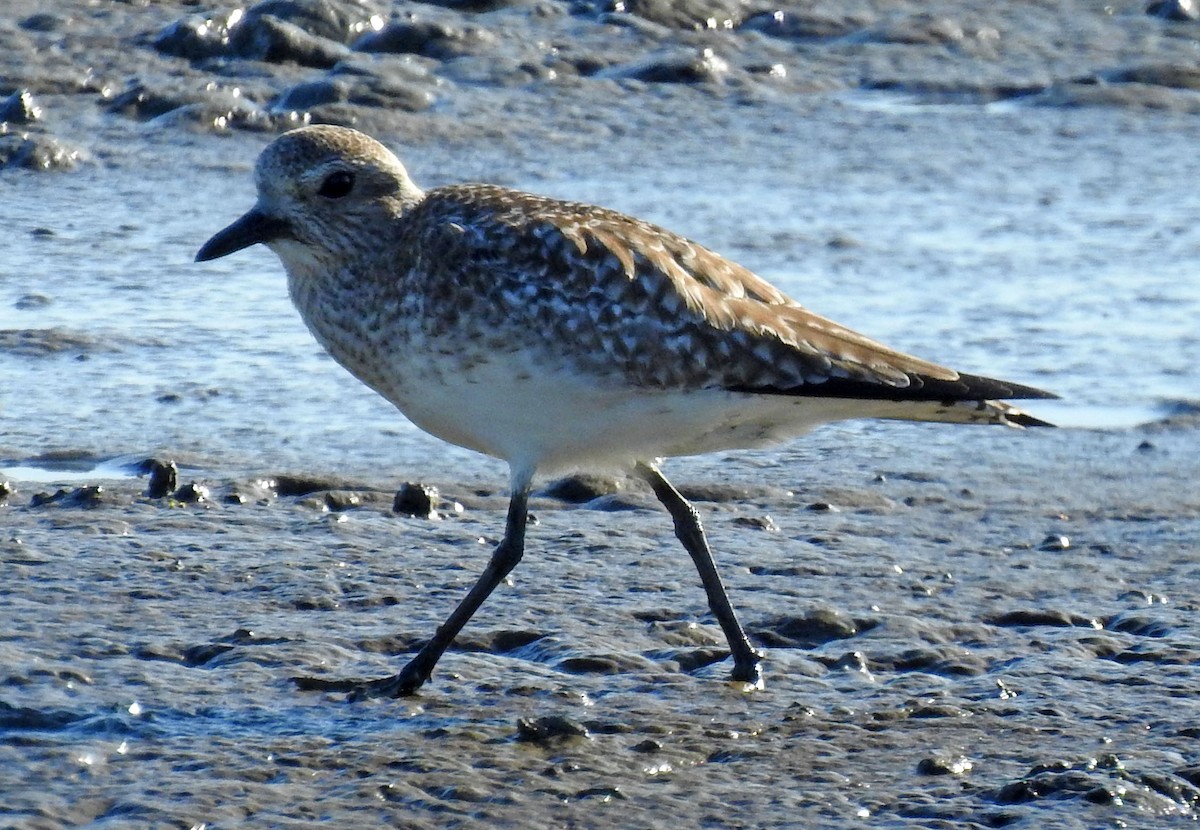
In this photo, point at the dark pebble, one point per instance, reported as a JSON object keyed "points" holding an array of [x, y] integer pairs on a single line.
{"points": [[163, 477], [338, 501], [821, 507], [851, 661], [6, 490], [87, 497], [590, 664], [939, 765], [1055, 542], [647, 747], [549, 729], [1037, 617], [32, 151], [694, 66], [757, 523], [197, 36], [191, 493], [603, 793], [27, 302], [43, 22], [418, 500], [1179, 11], [20, 108]]}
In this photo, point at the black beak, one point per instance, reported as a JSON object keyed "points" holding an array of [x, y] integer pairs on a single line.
{"points": [[251, 229]]}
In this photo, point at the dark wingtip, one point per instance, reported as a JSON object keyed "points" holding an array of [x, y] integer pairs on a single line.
{"points": [[1024, 419], [991, 389]]}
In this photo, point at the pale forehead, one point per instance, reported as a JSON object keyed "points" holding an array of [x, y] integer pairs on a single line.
{"points": [[312, 148]]}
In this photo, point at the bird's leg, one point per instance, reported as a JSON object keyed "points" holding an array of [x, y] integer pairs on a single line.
{"points": [[746, 658], [504, 558]]}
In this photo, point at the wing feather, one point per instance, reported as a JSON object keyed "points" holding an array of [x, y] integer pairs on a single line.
{"points": [[607, 293]]}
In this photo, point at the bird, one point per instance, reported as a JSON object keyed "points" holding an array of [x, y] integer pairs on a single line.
{"points": [[558, 336]]}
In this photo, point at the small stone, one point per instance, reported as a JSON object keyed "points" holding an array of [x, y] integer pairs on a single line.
{"points": [[163, 477], [1055, 542], [339, 501], [680, 67], [31, 151], [418, 500], [1177, 11], [198, 36], [647, 747], [6, 490], [757, 522], [191, 493], [43, 22], [86, 497], [20, 108], [548, 729], [27, 302], [939, 765], [822, 507]]}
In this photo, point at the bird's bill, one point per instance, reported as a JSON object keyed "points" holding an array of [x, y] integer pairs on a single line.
{"points": [[251, 229]]}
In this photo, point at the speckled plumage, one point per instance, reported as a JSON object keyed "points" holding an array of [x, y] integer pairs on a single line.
{"points": [[555, 334]]}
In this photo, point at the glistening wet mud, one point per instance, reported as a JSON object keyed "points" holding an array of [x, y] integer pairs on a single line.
{"points": [[1009, 643]]}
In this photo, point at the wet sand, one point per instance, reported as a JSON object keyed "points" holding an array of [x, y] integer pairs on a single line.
{"points": [[964, 627], [981, 630]]}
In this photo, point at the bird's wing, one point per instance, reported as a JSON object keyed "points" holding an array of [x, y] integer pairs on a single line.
{"points": [[613, 291]]}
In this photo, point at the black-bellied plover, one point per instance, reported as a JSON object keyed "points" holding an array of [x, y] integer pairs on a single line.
{"points": [[559, 336]]}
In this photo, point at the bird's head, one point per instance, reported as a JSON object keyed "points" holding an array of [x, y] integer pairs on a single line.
{"points": [[322, 192]]}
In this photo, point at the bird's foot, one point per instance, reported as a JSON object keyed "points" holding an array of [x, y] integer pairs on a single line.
{"points": [[403, 684], [747, 670]]}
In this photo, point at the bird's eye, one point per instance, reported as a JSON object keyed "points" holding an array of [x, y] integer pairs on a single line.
{"points": [[336, 185]]}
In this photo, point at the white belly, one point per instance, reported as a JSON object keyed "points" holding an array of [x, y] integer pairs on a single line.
{"points": [[560, 420]]}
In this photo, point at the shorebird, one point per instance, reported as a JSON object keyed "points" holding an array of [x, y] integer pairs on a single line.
{"points": [[556, 335]]}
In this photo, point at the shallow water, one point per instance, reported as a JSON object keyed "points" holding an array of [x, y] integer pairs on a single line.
{"points": [[1053, 248]]}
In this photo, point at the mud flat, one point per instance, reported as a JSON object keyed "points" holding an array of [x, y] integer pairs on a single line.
{"points": [[1005, 641]]}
